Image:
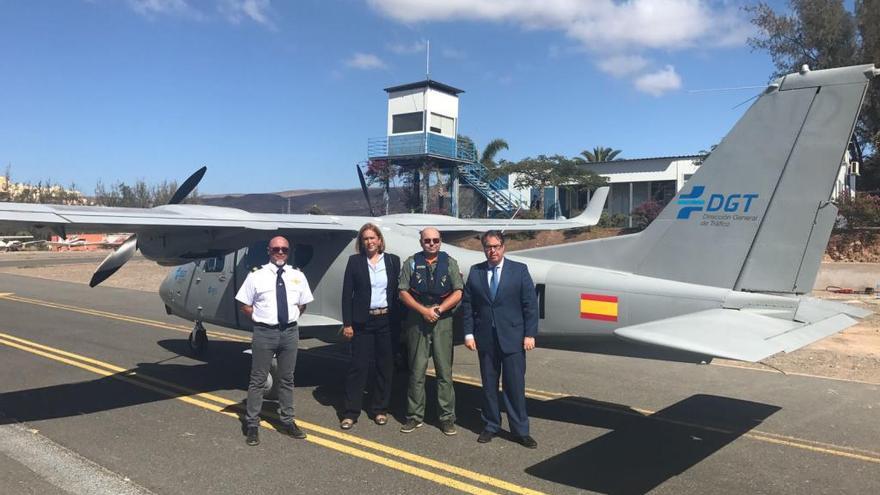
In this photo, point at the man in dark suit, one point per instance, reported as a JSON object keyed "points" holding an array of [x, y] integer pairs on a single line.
{"points": [[500, 311]]}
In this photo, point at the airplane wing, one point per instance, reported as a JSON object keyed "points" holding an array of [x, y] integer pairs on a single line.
{"points": [[745, 335], [589, 217], [179, 216]]}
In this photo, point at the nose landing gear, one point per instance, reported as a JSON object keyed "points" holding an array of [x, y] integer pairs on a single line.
{"points": [[198, 339]]}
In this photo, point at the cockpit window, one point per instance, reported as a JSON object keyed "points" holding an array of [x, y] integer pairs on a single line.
{"points": [[257, 255], [213, 265], [302, 254]]}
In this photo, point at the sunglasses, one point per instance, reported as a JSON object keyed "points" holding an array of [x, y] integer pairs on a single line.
{"points": [[431, 241], [282, 250]]}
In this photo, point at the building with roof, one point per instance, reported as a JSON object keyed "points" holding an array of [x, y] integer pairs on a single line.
{"points": [[422, 142]]}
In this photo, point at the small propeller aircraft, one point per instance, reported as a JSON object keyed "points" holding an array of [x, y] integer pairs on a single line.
{"points": [[16, 242], [722, 272], [75, 241]]}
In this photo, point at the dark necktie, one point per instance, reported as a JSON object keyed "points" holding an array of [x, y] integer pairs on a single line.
{"points": [[493, 284], [281, 300]]}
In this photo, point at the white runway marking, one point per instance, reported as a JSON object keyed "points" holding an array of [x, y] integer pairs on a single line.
{"points": [[61, 467]]}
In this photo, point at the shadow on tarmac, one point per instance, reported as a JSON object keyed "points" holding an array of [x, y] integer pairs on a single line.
{"points": [[643, 451], [640, 452], [224, 367]]}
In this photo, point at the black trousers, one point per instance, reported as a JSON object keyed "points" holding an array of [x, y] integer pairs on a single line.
{"points": [[370, 349]]}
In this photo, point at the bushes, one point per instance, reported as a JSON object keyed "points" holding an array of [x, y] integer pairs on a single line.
{"points": [[859, 212], [616, 220], [645, 213]]}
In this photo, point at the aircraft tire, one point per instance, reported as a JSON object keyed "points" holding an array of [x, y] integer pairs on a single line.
{"points": [[272, 384], [198, 339]]}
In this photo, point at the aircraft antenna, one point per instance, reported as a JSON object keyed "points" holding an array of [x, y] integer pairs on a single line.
{"points": [[717, 90], [772, 367]]}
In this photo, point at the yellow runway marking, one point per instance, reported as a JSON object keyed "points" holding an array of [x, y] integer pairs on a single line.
{"points": [[222, 405], [126, 318], [542, 395]]}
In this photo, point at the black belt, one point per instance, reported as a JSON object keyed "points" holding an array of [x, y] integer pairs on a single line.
{"points": [[274, 327]]}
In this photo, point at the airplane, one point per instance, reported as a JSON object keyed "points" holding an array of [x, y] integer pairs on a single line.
{"points": [[75, 241], [16, 242], [724, 271]]}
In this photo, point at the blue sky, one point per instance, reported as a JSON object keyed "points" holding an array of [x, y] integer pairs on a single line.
{"points": [[276, 95]]}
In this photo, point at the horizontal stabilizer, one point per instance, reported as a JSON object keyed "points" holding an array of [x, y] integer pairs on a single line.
{"points": [[589, 217], [738, 334]]}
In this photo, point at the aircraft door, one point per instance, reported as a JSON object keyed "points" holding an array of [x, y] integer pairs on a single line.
{"points": [[212, 291]]}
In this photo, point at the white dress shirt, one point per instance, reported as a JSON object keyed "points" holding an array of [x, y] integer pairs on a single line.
{"points": [[378, 283], [498, 268], [258, 290]]}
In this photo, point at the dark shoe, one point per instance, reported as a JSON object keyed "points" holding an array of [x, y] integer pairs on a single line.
{"points": [[527, 442], [381, 419], [253, 436], [293, 430], [346, 423], [448, 428], [411, 426], [486, 436]]}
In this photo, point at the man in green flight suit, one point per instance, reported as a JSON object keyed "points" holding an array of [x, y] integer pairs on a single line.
{"points": [[430, 286]]}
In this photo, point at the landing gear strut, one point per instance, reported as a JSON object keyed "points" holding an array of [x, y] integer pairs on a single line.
{"points": [[198, 339]]}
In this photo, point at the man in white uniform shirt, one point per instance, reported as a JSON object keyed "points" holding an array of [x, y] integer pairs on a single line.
{"points": [[273, 297]]}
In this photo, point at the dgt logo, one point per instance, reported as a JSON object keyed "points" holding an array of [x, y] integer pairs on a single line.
{"points": [[693, 201]]}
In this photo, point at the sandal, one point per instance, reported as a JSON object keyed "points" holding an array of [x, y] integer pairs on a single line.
{"points": [[381, 419], [346, 424]]}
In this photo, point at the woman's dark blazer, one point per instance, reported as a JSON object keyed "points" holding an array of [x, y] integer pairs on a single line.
{"points": [[356, 289]]}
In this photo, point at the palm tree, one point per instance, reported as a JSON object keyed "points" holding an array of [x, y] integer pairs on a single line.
{"points": [[492, 149], [600, 154]]}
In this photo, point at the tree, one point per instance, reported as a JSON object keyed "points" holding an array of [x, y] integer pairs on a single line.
{"points": [[600, 154], [487, 158], [824, 34], [140, 195], [316, 210], [384, 173], [553, 171]]}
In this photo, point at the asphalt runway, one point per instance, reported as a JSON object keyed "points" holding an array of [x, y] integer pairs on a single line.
{"points": [[98, 393]]}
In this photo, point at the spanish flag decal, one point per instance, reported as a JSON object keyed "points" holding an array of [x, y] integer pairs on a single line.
{"points": [[598, 307]]}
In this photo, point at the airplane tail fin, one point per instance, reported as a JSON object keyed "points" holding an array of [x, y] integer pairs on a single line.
{"points": [[756, 216]]}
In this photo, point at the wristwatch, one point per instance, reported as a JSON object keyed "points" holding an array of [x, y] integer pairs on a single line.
{"points": [[437, 310]]}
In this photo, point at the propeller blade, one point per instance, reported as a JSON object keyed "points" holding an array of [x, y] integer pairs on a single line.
{"points": [[114, 261], [187, 186], [364, 189]]}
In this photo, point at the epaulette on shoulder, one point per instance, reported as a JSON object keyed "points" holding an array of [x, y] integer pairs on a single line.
{"points": [[255, 268]]}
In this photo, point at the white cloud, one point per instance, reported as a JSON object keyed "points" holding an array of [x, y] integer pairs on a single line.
{"points": [[366, 61], [256, 10], [622, 65], [233, 11], [407, 49], [153, 8], [659, 82], [597, 25], [453, 54]]}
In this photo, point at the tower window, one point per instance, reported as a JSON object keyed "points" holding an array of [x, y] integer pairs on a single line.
{"points": [[442, 125], [407, 122]]}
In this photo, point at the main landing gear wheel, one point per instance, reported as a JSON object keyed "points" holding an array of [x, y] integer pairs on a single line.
{"points": [[198, 339], [272, 382]]}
